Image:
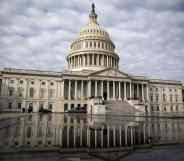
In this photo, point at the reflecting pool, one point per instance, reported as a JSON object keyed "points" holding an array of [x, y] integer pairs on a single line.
{"points": [[80, 133]]}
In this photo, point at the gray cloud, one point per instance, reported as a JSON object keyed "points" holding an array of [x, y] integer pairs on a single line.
{"points": [[148, 34]]}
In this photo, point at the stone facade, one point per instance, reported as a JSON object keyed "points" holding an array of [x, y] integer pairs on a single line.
{"points": [[93, 70]]}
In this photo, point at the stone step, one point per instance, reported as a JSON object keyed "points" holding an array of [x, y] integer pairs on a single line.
{"points": [[120, 107]]}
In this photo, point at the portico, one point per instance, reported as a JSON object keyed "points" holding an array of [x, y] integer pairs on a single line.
{"points": [[117, 86]]}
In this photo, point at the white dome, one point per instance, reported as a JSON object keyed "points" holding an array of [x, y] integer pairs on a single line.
{"points": [[93, 49]]}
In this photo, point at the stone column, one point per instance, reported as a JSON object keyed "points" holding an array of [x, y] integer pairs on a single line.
{"points": [[61, 137], [79, 61], [68, 135], [63, 89], [107, 136], [88, 58], [144, 133], [120, 142], [82, 89], [96, 89], [137, 91], [102, 89], [107, 90], [97, 62], [81, 135], [147, 93], [107, 61], [102, 136], [125, 96], [131, 135], [114, 90], [126, 139], [95, 138], [69, 89], [114, 136], [76, 89], [130, 90], [74, 136], [93, 58], [89, 136], [143, 92], [89, 88], [119, 90]]}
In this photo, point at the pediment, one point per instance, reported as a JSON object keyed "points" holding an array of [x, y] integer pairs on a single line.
{"points": [[110, 73]]}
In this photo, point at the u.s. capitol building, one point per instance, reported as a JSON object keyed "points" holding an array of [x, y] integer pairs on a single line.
{"points": [[93, 70]]}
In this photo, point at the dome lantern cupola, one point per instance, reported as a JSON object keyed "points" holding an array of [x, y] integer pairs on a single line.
{"points": [[93, 49], [93, 16]]}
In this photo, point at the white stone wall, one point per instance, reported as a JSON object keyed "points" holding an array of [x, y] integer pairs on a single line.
{"points": [[172, 101], [50, 85]]}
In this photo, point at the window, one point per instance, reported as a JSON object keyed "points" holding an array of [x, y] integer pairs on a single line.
{"points": [[42, 93], [65, 107], [43, 83], [20, 92], [31, 92], [50, 106], [11, 81], [171, 108], [164, 97], [176, 98], [152, 108], [151, 97], [9, 105], [51, 83], [158, 108], [157, 97], [165, 108], [21, 81], [51, 93], [32, 82], [19, 105], [41, 106], [11, 91], [171, 98], [29, 131], [177, 108]]}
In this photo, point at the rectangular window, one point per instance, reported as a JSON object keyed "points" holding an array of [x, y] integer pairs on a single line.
{"points": [[10, 105], [50, 106], [19, 105], [11, 91], [51, 93]]}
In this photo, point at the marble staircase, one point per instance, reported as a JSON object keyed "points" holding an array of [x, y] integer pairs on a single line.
{"points": [[120, 107]]}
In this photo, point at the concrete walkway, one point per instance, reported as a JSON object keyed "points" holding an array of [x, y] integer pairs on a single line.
{"points": [[165, 153]]}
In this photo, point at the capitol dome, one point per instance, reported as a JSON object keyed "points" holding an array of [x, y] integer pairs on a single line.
{"points": [[93, 49]]}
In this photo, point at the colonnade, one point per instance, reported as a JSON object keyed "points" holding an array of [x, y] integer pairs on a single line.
{"points": [[93, 60], [107, 89]]}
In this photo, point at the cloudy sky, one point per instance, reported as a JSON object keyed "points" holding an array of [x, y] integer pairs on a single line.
{"points": [[148, 34]]}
